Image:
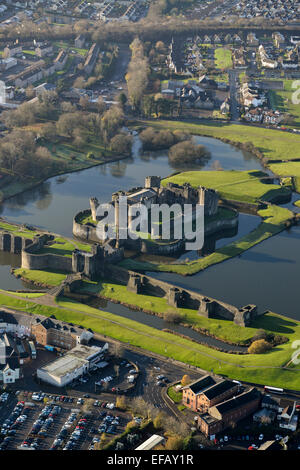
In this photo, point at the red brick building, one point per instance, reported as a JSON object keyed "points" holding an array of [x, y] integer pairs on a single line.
{"points": [[220, 416], [191, 392], [207, 392]]}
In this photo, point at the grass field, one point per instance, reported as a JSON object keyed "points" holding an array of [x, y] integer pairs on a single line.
{"points": [[261, 369], [282, 100], [175, 396], [222, 329], [223, 58], [286, 169], [48, 278], [17, 230], [273, 144], [238, 185], [26, 295], [64, 247]]}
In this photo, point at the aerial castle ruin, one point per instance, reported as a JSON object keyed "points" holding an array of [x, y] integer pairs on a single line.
{"points": [[152, 193]]}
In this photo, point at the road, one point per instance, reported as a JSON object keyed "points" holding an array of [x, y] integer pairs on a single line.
{"points": [[233, 90]]}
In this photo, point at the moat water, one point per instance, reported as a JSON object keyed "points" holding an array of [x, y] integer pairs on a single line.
{"points": [[252, 278]]}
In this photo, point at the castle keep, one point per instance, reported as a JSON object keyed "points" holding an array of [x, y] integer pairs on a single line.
{"points": [[154, 193]]}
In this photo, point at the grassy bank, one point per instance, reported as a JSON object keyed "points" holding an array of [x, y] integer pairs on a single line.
{"points": [[17, 230], [222, 329], [273, 144], [45, 278], [282, 100], [272, 223], [286, 169], [261, 369]]}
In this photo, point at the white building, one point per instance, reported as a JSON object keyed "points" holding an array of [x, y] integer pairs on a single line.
{"points": [[152, 442], [9, 364], [72, 365]]}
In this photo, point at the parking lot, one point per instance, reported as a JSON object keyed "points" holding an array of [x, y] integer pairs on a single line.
{"points": [[57, 422]]}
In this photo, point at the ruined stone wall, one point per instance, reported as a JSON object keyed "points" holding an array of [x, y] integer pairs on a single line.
{"points": [[178, 297], [13, 243]]}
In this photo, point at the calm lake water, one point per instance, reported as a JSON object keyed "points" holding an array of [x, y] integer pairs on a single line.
{"points": [[267, 275]]}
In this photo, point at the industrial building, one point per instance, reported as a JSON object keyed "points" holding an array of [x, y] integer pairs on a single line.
{"points": [[72, 365]]}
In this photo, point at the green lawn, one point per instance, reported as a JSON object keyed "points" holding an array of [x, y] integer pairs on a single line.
{"points": [[17, 230], [48, 278], [64, 247], [238, 185], [282, 100], [273, 144], [286, 169], [175, 396], [261, 369], [223, 58], [26, 295]]}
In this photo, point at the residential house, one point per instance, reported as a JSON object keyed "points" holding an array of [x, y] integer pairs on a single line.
{"points": [[91, 59], [271, 403], [44, 49], [53, 332], [288, 418], [252, 39], [12, 50], [279, 40], [44, 87], [9, 361], [254, 115], [80, 41], [217, 393], [225, 107], [61, 60], [266, 61]]}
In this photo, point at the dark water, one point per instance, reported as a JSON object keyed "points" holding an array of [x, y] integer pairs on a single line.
{"points": [[266, 275], [160, 324], [8, 280]]}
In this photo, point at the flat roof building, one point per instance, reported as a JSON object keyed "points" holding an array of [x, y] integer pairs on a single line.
{"points": [[72, 365]]}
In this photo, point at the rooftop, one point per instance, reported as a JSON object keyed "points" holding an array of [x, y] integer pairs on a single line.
{"points": [[201, 384]]}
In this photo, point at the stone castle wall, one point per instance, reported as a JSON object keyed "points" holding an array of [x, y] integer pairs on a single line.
{"points": [[13, 243], [179, 297], [32, 259]]}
